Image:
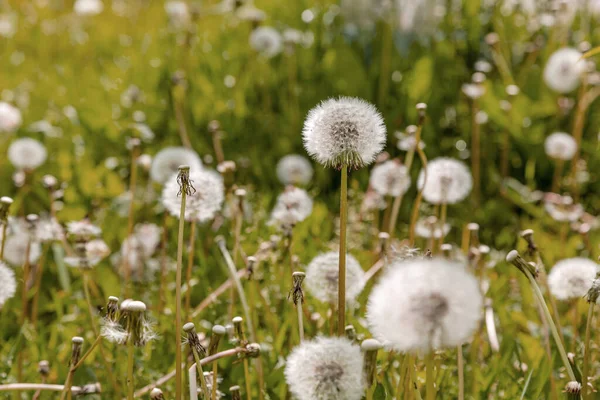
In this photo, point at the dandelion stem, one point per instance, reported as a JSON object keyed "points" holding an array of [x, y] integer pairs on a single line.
{"points": [[429, 376], [586, 354], [178, 355], [201, 374], [163, 265], [443, 216], [394, 216], [4, 226], [130, 350], [558, 170], [417, 204], [247, 379], [461, 372], [476, 153], [38, 285], [130, 217], [177, 104], [300, 320], [39, 386], [188, 278], [384, 72], [215, 368], [557, 339], [342, 263], [87, 353]]}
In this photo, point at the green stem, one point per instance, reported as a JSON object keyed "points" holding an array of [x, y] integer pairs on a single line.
{"points": [[87, 353], [300, 321], [201, 374], [443, 216], [461, 373], [559, 344], [247, 379], [4, 226], [214, 385], [417, 204], [178, 356], [188, 277], [130, 388], [429, 376], [38, 285], [586, 354], [476, 154], [394, 216], [342, 263]]}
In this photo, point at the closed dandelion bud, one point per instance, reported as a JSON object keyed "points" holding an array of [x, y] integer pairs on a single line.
{"points": [[350, 332], [238, 329], [157, 394], [75, 350], [384, 238], [218, 331], [370, 347], [235, 393], [5, 203], [515, 258], [193, 340], [44, 368], [253, 350], [594, 292], [32, 220], [112, 308]]}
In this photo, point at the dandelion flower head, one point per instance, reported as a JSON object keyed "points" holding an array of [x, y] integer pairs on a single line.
{"points": [[448, 181], [267, 41]]}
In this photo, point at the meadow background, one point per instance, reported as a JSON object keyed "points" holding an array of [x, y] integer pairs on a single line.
{"points": [[86, 84]]}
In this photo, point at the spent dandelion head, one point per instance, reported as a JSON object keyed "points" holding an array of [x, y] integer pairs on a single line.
{"points": [[572, 278], [112, 309], [76, 343], [322, 277], [594, 292], [27, 154], [296, 293], [5, 203], [515, 259], [157, 394], [370, 347], [139, 330], [325, 368], [204, 199], [415, 308], [345, 132], [193, 340]]}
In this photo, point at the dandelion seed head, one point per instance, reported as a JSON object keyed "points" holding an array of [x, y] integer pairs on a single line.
{"points": [[10, 118], [113, 332], [448, 181], [97, 249], [473, 90], [27, 154], [427, 228], [571, 278], [201, 205], [390, 178], [83, 229], [562, 208], [267, 41], [322, 278], [560, 146], [564, 70], [344, 131], [294, 169], [178, 12], [293, 205], [8, 283], [15, 249], [167, 161], [249, 12], [88, 7], [48, 229], [325, 369], [423, 304]]}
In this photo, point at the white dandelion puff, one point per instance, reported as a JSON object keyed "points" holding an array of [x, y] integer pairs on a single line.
{"points": [[390, 178], [204, 203], [560, 146], [88, 7], [27, 153], [322, 278], [448, 181], [97, 249], [562, 208], [249, 12], [166, 163], [293, 205], [8, 283], [267, 41], [426, 228], [294, 169], [325, 369], [473, 90], [423, 304], [564, 69], [346, 131], [113, 332], [10, 118], [178, 12], [15, 249], [407, 141], [571, 278], [48, 229], [83, 229]]}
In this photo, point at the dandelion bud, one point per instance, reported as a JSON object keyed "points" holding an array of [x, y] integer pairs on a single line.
{"points": [[157, 394], [253, 350], [32, 220], [241, 193], [515, 258], [384, 239], [112, 308], [527, 235], [193, 340], [238, 329], [421, 110], [75, 350], [235, 393], [350, 332], [218, 331], [573, 390], [5, 203], [44, 368], [296, 293], [474, 231], [370, 347]]}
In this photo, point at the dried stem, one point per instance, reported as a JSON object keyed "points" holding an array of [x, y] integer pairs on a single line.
{"points": [[475, 153], [130, 350], [39, 386], [130, 217]]}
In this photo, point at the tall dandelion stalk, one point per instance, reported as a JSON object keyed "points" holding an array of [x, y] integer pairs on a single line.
{"points": [[592, 298], [185, 189], [5, 203], [344, 133], [297, 296], [75, 354], [134, 144]]}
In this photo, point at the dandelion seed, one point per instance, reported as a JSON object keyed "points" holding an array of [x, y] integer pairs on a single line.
{"points": [[564, 70], [560, 146], [424, 304], [201, 205], [167, 161], [27, 154], [344, 132], [448, 181], [571, 278], [113, 332], [8, 283], [292, 206], [267, 41], [294, 169], [390, 178], [322, 278], [325, 369], [10, 118]]}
